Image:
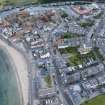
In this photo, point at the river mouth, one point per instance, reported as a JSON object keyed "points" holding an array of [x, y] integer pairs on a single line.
{"points": [[9, 92]]}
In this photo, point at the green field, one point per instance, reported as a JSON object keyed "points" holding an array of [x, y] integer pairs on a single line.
{"points": [[75, 58], [99, 100], [86, 24], [22, 2], [69, 35], [17, 2], [97, 52], [48, 80]]}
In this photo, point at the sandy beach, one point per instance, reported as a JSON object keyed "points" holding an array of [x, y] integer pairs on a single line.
{"points": [[22, 69]]}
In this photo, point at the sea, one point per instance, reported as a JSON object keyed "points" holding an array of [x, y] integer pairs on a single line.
{"points": [[9, 92]]}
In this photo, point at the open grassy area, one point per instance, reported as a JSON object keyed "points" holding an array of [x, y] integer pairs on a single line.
{"points": [[48, 80], [4, 3], [99, 100], [22, 2], [97, 52], [17, 2], [75, 58], [74, 55], [68, 35], [86, 24], [90, 55]]}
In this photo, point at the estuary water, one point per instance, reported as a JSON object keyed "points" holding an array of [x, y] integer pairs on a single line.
{"points": [[9, 94]]}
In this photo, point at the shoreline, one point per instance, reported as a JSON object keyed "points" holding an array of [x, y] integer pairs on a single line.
{"points": [[13, 68], [20, 69]]}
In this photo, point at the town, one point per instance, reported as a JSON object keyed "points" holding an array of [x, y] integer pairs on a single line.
{"points": [[65, 45]]}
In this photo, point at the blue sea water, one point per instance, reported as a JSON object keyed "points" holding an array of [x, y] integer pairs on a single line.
{"points": [[9, 94]]}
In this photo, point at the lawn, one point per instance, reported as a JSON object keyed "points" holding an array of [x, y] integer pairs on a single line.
{"points": [[75, 58], [90, 55], [17, 2], [69, 35], [48, 80], [86, 24], [22, 2], [99, 100], [97, 52]]}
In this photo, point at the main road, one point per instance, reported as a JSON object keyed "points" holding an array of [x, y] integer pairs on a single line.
{"points": [[59, 85]]}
